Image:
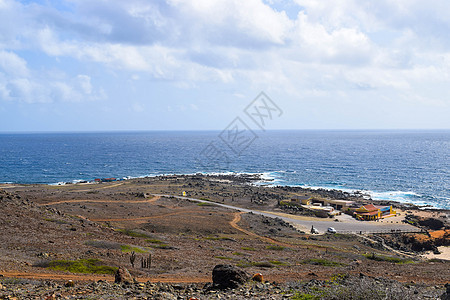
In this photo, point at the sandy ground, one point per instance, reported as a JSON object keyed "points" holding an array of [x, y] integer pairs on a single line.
{"points": [[187, 238], [445, 253]]}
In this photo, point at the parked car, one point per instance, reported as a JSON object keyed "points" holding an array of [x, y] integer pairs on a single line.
{"points": [[331, 230]]}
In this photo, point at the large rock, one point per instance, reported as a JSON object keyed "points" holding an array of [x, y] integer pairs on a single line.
{"points": [[431, 223], [227, 276], [123, 276], [446, 294]]}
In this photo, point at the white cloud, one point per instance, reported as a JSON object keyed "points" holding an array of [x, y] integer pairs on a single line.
{"points": [[137, 107], [85, 84], [329, 48], [12, 64], [19, 83]]}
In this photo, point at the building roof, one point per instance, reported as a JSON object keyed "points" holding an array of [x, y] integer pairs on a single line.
{"points": [[371, 213], [368, 208]]}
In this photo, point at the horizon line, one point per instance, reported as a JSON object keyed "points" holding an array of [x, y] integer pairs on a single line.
{"points": [[215, 130]]}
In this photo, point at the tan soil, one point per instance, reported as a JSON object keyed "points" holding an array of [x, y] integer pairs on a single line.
{"points": [[194, 238]]}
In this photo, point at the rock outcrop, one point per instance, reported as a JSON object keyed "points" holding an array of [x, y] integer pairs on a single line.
{"points": [[228, 276], [123, 276]]}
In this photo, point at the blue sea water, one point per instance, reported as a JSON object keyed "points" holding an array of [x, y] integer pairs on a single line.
{"points": [[408, 166]]}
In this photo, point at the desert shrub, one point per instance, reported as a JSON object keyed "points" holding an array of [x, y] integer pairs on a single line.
{"points": [[129, 248], [278, 263], [391, 259], [275, 247], [321, 262], [248, 248], [86, 266], [44, 263], [134, 233], [164, 246], [154, 241]]}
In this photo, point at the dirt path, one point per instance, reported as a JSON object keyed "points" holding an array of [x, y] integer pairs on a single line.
{"points": [[237, 218], [90, 277], [154, 199]]}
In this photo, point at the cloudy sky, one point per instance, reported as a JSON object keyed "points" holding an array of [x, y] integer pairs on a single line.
{"points": [[83, 65]]}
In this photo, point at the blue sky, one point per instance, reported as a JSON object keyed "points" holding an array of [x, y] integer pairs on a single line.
{"points": [[79, 65]]}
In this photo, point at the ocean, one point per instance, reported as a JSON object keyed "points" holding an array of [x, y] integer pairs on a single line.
{"points": [[407, 166]]}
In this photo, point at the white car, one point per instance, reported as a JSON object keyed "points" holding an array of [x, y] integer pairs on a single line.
{"points": [[331, 230]]}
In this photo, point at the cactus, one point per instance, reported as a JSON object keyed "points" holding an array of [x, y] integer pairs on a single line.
{"points": [[146, 262], [132, 258]]}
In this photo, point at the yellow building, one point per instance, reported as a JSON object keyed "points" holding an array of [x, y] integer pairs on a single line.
{"points": [[373, 212]]}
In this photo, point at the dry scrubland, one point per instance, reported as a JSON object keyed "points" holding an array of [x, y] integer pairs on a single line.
{"points": [[84, 232]]}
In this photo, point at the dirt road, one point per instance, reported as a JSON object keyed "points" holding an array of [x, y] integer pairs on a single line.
{"points": [[348, 225]]}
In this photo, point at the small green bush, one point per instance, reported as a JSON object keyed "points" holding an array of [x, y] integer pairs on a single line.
{"points": [[85, 266], [278, 263], [128, 248], [134, 233], [275, 247], [391, 259]]}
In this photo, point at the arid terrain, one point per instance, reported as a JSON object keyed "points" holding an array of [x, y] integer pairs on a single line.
{"points": [[47, 229]]}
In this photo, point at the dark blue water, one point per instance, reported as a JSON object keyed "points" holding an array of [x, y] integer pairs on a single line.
{"points": [[409, 166]]}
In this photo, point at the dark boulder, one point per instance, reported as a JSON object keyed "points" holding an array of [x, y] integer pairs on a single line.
{"points": [[228, 276], [446, 294], [431, 223]]}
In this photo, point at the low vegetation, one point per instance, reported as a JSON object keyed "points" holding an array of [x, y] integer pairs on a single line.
{"points": [[129, 248], [391, 259], [321, 262], [275, 247], [85, 266], [154, 241], [163, 246], [278, 263], [134, 233]]}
